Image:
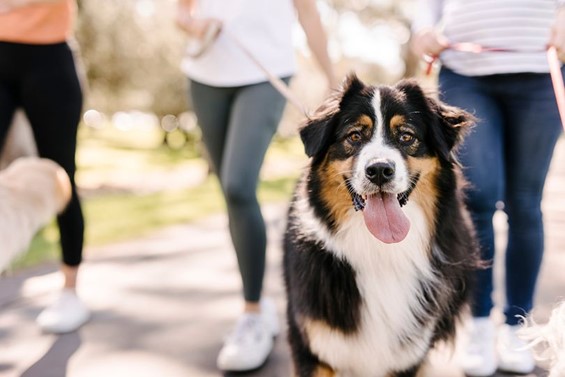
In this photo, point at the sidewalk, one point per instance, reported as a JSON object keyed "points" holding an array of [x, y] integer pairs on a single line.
{"points": [[162, 304]]}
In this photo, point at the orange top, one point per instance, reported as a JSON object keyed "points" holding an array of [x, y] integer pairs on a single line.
{"points": [[40, 23]]}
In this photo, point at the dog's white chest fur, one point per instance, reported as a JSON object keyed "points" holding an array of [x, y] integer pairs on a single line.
{"points": [[388, 277]]}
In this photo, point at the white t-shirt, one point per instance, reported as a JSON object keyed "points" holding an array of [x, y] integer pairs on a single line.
{"points": [[263, 26]]}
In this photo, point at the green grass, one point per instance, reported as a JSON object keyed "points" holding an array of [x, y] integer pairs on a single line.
{"points": [[113, 217], [120, 217]]}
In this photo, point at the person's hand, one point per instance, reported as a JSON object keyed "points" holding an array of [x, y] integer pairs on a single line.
{"points": [[557, 38], [200, 32], [195, 27], [429, 42]]}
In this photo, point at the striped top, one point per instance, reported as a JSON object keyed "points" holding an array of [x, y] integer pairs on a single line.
{"points": [[522, 26]]}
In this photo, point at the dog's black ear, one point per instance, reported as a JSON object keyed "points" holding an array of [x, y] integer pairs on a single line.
{"points": [[456, 123], [449, 128], [317, 132], [447, 125], [351, 85]]}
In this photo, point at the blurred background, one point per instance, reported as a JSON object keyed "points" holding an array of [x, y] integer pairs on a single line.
{"points": [[149, 199], [139, 145]]}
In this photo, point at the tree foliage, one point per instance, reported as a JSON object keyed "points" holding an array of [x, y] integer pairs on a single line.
{"points": [[132, 50]]}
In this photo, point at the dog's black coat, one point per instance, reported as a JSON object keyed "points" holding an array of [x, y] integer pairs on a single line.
{"points": [[322, 286]]}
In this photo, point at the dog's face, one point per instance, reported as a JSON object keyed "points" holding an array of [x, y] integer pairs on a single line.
{"points": [[378, 145]]}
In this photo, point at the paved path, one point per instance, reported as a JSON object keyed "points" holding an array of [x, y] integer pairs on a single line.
{"points": [[162, 304]]}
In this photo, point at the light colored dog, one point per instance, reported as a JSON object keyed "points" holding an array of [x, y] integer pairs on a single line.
{"points": [[32, 191], [548, 341]]}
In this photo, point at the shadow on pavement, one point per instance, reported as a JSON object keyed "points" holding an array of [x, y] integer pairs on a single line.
{"points": [[54, 362]]}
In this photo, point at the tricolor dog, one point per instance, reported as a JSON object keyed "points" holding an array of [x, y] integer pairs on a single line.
{"points": [[379, 249]]}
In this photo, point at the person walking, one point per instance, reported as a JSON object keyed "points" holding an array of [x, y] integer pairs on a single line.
{"points": [[239, 110], [493, 64], [38, 74]]}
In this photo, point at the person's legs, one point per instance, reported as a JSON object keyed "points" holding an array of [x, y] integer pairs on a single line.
{"points": [[52, 99], [482, 158], [212, 106], [532, 131], [7, 109], [256, 113], [251, 340], [9, 73], [254, 117]]}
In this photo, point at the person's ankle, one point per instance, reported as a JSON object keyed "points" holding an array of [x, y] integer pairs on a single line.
{"points": [[70, 274], [252, 307]]}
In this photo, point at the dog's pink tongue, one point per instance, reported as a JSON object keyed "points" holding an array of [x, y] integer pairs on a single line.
{"points": [[385, 219]]}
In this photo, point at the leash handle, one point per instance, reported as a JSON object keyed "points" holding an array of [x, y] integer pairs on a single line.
{"points": [[473, 48], [277, 83]]}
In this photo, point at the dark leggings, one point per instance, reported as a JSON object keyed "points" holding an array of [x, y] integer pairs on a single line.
{"points": [[42, 80], [238, 125]]}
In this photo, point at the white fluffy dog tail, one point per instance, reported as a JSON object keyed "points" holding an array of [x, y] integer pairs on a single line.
{"points": [[548, 341]]}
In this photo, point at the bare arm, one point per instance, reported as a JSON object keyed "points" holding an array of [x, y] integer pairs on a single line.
{"points": [[557, 38], [309, 19]]}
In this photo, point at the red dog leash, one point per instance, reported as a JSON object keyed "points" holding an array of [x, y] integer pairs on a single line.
{"points": [[552, 60]]}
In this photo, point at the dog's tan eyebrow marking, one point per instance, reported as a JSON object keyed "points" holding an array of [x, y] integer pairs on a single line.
{"points": [[364, 121], [397, 121]]}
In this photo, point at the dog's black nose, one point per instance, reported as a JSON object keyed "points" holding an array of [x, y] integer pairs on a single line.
{"points": [[380, 172]]}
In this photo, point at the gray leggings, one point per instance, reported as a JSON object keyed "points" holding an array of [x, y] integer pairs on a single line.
{"points": [[238, 124]]}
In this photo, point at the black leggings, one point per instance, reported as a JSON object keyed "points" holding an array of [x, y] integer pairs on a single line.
{"points": [[42, 79]]}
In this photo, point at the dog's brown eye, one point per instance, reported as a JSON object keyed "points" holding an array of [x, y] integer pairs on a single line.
{"points": [[354, 136], [406, 138]]}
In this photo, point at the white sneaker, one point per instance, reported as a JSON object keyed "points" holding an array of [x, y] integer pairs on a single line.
{"points": [[66, 314], [251, 342], [479, 357], [514, 354], [270, 315]]}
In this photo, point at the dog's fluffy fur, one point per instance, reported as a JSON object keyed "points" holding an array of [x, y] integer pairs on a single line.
{"points": [[548, 341], [32, 191], [369, 293]]}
